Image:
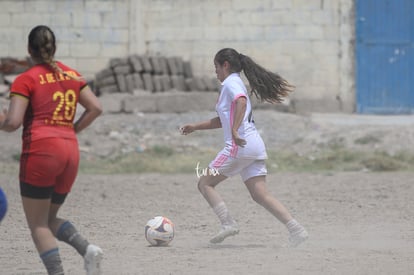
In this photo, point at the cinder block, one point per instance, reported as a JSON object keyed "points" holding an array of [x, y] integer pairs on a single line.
{"points": [[191, 85], [178, 83], [157, 83], [146, 64], [180, 65], [172, 66], [120, 80], [130, 83], [104, 73], [122, 69], [135, 62], [109, 80], [138, 82], [113, 62], [188, 71], [164, 65], [156, 66], [148, 82], [166, 82]]}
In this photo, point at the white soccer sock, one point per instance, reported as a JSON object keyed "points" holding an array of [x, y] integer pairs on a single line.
{"points": [[223, 214], [294, 227]]}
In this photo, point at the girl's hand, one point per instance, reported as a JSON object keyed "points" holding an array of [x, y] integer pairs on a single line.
{"points": [[187, 129], [239, 141]]}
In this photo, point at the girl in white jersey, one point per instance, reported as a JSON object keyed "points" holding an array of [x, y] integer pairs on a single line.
{"points": [[244, 152]]}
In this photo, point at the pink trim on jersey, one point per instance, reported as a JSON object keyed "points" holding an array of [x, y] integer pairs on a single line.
{"points": [[218, 162], [234, 147]]}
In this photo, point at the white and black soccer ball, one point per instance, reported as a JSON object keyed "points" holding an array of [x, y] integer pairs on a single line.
{"points": [[159, 231]]}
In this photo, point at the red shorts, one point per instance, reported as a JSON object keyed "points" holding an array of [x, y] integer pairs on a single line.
{"points": [[50, 162]]}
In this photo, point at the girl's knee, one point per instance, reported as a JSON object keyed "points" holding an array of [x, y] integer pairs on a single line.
{"points": [[258, 196], [201, 185]]}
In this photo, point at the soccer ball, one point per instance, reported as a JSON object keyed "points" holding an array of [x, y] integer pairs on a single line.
{"points": [[159, 231]]}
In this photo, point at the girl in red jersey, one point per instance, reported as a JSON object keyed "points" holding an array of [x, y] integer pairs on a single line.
{"points": [[244, 152], [44, 100]]}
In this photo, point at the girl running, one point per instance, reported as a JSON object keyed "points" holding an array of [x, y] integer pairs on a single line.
{"points": [[44, 100], [244, 152]]}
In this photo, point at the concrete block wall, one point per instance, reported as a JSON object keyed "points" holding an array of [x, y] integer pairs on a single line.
{"points": [[309, 42]]}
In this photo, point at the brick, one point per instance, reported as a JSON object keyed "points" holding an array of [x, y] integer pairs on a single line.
{"points": [[130, 83], [180, 65], [85, 49], [187, 69], [164, 65], [156, 66], [146, 64], [121, 81], [166, 82], [135, 62], [148, 83], [138, 82], [190, 84], [178, 82], [104, 73], [172, 66], [118, 61], [106, 81], [157, 83], [122, 69]]}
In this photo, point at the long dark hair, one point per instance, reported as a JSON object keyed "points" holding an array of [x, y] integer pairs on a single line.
{"points": [[42, 45], [265, 85]]}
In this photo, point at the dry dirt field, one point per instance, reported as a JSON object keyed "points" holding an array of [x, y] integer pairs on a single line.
{"points": [[360, 222]]}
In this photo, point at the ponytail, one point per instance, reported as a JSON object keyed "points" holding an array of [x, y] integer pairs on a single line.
{"points": [[265, 85]]}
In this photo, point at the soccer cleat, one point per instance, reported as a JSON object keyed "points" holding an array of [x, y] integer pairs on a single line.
{"points": [[297, 238], [92, 258], [226, 231]]}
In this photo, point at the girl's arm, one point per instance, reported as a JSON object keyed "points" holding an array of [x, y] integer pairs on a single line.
{"points": [[11, 119], [239, 111], [92, 109], [213, 123]]}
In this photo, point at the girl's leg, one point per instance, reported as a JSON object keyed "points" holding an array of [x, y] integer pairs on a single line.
{"points": [[207, 185], [37, 212], [260, 194], [66, 232]]}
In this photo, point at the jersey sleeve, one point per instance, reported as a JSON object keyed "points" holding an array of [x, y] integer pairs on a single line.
{"points": [[234, 92], [22, 85]]}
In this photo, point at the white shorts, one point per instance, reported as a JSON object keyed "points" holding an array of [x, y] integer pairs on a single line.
{"points": [[247, 168]]}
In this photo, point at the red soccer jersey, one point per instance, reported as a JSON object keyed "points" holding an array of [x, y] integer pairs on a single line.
{"points": [[53, 98]]}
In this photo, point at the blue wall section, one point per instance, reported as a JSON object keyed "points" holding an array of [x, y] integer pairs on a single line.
{"points": [[385, 56]]}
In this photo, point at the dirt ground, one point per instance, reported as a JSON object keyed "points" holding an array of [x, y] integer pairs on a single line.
{"points": [[359, 222]]}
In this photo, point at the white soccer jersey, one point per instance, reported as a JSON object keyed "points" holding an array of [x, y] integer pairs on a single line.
{"points": [[233, 88]]}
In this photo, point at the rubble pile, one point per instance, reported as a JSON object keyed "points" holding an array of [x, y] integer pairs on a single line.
{"points": [[151, 74], [9, 69]]}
